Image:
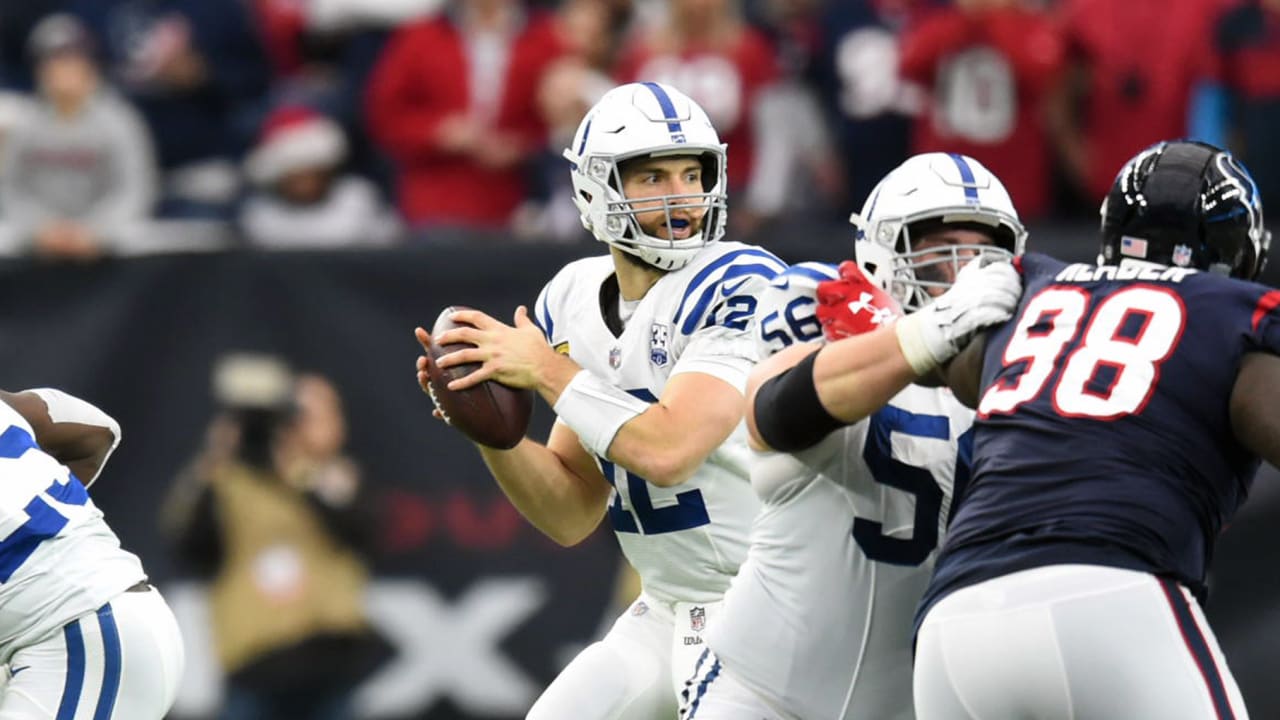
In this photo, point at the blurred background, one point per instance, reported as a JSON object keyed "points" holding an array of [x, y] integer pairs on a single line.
{"points": [[220, 220]]}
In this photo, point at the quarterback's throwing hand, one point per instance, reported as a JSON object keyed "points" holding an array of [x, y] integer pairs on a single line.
{"points": [[986, 292]]}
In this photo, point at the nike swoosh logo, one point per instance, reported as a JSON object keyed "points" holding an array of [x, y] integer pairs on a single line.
{"points": [[785, 283], [15, 671], [727, 290]]}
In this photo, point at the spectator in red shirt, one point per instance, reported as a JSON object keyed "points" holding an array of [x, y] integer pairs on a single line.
{"points": [[452, 103], [1133, 68], [704, 48], [1248, 37], [989, 66]]}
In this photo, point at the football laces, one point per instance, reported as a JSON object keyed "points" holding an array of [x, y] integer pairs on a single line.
{"points": [[431, 391]]}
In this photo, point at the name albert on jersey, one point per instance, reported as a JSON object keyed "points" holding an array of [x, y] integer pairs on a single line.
{"points": [[686, 541], [1148, 471]]}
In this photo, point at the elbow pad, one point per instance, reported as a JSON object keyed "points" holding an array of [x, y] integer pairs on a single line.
{"points": [[789, 416]]}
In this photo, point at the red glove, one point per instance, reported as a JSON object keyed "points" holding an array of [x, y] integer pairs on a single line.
{"points": [[854, 304]]}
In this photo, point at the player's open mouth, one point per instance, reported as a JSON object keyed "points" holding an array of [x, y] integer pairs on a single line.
{"points": [[680, 228]]}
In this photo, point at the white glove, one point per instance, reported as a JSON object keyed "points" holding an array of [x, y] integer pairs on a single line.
{"points": [[985, 293]]}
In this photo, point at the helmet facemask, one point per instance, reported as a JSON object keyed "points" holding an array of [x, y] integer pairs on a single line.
{"points": [[623, 227], [655, 121], [918, 270], [929, 194]]}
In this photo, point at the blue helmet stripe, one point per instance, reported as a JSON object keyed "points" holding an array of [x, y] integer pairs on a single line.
{"points": [[966, 177], [668, 111], [585, 132]]}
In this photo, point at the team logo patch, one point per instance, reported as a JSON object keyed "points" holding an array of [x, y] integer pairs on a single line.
{"points": [[639, 608], [1181, 255], [1133, 247], [866, 302], [562, 348], [697, 618], [659, 336], [615, 357]]}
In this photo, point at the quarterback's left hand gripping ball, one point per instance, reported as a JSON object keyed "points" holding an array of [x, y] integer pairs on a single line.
{"points": [[489, 413]]}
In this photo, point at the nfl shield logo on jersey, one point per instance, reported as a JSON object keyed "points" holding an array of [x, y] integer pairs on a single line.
{"points": [[697, 618], [1181, 255], [615, 357], [659, 334]]}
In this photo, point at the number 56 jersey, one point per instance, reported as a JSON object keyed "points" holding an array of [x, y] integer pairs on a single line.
{"points": [[686, 541], [818, 621]]}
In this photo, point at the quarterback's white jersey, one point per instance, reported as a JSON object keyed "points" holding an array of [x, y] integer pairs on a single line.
{"points": [[687, 541], [819, 619], [58, 559]]}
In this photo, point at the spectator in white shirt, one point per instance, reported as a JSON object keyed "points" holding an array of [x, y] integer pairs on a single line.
{"points": [[302, 199]]}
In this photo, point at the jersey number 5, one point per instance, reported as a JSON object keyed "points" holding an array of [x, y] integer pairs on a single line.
{"points": [[1112, 370], [888, 470]]}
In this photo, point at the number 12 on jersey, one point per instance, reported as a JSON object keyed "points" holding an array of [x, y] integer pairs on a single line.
{"points": [[639, 515]]}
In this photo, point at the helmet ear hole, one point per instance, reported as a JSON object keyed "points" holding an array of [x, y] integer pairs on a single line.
{"points": [[710, 171]]}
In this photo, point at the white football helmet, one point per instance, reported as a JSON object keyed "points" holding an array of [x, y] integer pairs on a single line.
{"points": [[918, 197], [636, 120]]}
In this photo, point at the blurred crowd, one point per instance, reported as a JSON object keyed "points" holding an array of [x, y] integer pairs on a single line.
{"points": [[328, 123]]}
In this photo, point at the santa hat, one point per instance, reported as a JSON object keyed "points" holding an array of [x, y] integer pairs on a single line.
{"points": [[295, 138]]}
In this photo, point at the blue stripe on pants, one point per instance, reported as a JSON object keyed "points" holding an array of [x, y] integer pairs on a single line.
{"points": [[688, 684], [702, 687], [111, 662], [1199, 648], [75, 672]]}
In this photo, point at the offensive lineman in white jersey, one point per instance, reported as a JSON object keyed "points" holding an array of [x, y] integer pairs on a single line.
{"points": [[644, 356], [818, 622], [83, 633]]}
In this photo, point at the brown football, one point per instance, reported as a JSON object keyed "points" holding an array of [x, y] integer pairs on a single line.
{"points": [[490, 413]]}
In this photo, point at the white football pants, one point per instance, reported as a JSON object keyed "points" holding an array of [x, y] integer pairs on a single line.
{"points": [[1076, 642], [636, 670], [713, 693], [122, 662]]}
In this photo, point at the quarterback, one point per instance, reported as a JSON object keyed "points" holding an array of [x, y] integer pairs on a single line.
{"points": [[644, 355]]}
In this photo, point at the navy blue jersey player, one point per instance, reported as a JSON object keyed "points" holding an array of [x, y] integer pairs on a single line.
{"points": [[1122, 413]]}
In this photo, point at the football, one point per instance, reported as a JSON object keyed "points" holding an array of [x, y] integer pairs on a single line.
{"points": [[490, 413]]}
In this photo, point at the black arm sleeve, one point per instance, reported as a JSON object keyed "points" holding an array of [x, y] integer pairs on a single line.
{"points": [[789, 416]]}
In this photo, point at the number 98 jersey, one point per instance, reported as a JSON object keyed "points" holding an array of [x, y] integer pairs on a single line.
{"points": [[1104, 433]]}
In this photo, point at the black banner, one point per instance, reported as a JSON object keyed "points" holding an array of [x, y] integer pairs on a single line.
{"points": [[483, 608]]}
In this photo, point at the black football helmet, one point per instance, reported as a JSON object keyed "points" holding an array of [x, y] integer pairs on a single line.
{"points": [[1187, 204]]}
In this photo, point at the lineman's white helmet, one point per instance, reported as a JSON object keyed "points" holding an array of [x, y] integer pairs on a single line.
{"points": [[636, 120], [919, 196]]}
